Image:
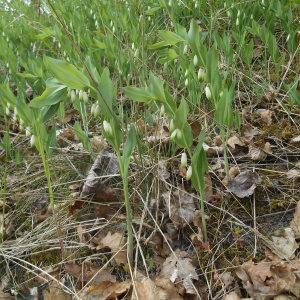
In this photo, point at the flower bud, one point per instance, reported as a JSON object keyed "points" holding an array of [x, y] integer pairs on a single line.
{"points": [[189, 173], [207, 92], [162, 110], [186, 82], [237, 22], [32, 140], [27, 131], [7, 111], [185, 49], [201, 74], [95, 110], [85, 97], [238, 13], [80, 94], [179, 134], [107, 128], [195, 60], [183, 161], [73, 95], [172, 126], [186, 73], [174, 134]]}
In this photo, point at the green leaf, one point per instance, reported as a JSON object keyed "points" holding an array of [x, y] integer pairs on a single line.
{"points": [[167, 55], [50, 111], [157, 87], [128, 147], [168, 38], [193, 33], [82, 136], [152, 11], [51, 140], [139, 94], [107, 89], [294, 92], [53, 94], [181, 114], [66, 73], [27, 75], [187, 137]]}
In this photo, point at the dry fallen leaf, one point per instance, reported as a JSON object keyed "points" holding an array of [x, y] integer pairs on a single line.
{"points": [[159, 289], [266, 279], [266, 115], [107, 290], [295, 223], [116, 242], [180, 207], [55, 291], [162, 171], [6, 296], [235, 141], [295, 139], [244, 184], [101, 175], [249, 132], [178, 268], [293, 174], [285, 242], [88, 272], [232, 296], [256, 154]]}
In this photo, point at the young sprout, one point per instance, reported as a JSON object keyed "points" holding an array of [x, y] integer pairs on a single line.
{"points": [[237, 22], [201, 74], [186, 73], [107, 127], [189, 173], [183, 161], [136, 53], [207, 92], [195, 60]]}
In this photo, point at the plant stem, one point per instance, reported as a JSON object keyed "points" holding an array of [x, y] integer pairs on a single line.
{"points": [[224, 141], [128, 216], [202, 211], [47, 173]]}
